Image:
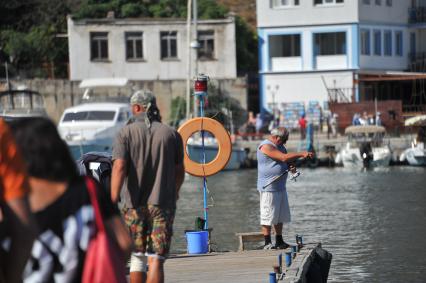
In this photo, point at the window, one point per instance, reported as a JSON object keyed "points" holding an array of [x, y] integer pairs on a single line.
{"points": [[134, 45], [378, 2], [206, 40], [89, 116], [168, 44], [327, 2], [388, 43], [365, 42], [398, 43], [389, 3], [377, 42], [284, 3], [366, 2], [284, 45], [123, 116], [98, 46], [330, 43]]}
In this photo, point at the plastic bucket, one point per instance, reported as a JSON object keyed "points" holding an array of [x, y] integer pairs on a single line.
{"points": [[197, 242]]}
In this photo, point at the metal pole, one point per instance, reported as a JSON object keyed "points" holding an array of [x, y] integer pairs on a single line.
{"points": [[375, 108], [188, 63], [7, 76], [195, 17]]}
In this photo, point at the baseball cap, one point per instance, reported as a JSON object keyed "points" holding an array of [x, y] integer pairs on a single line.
{"points": [[143, 97]]}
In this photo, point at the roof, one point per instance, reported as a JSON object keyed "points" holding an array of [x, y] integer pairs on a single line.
{"points": [[375, 76], [416, 121], [104, 82], [97, 107], [364, 129]]}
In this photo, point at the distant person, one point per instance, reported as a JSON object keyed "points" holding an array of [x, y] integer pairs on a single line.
{"points": [[62, 206], [379, 119], [259, 124], [328, 120], [355, 119], [274, 160], [302, 126], [16, 221], [333, 124], [148, 156], [363, 120]]}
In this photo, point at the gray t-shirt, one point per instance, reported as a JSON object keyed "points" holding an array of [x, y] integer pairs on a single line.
{"points": [[151, 155]]}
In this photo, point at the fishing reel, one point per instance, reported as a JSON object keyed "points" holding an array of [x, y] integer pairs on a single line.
{"points": [[293, 176]]}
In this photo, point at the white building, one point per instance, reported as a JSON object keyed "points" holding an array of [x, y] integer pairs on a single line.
{"points": [[309, 46], [149, 49]]}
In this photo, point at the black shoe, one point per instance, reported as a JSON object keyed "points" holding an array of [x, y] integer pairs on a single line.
{"points": [[281, 246], [269, 246]]}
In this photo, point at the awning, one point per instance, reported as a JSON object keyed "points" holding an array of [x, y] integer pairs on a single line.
{"points": [[416, 121], [374, 76]]}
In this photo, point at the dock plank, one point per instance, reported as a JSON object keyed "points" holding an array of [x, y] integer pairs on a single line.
{"points": [[248, 266]]}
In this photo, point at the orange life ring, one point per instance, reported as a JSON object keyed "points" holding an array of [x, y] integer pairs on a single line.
{"points": [[223, 141]]}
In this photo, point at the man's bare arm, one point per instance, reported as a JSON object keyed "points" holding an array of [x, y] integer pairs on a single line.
{"points": [[275, 154], [22, 232], [119, 172]]}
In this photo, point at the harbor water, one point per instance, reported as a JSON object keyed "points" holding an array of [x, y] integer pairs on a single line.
{"points": [[373, 222]]}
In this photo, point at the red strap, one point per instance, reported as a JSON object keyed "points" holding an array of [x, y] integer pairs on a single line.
{"points": [[91, 187]]}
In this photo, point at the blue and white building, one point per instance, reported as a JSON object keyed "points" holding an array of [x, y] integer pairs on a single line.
{"points": [[309, 47]]}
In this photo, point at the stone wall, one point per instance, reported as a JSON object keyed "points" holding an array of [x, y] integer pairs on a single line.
{"points": [[60, 94]]}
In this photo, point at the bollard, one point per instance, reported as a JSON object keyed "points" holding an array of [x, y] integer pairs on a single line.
{"points": [[272, 277], [280, 260], [288, 259], [294, 250]]}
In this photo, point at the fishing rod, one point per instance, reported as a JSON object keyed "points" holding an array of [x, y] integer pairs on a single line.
{"points": [[276, 178]]}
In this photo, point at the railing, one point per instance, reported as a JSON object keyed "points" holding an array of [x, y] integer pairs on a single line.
{"points": [[417, 15], [417, 62], [340, 95], [414, 108]]}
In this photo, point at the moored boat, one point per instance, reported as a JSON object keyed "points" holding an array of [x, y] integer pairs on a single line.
{"points": [[92, 125], [22, 103], [416, 154], [365, 147]]}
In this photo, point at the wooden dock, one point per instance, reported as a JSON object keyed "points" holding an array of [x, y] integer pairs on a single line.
{"points": [[248, 266]]}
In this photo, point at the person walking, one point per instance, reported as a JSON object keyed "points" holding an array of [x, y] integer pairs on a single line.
{"points": [[148, 159], [302, 125], [16, 221], [62, 207], [273, 160]]}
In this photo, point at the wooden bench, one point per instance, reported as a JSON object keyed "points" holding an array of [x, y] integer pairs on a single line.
{"points": [[248, 237]]}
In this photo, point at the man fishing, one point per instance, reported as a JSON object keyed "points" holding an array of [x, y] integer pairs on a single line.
{"points": [[274, 162]]}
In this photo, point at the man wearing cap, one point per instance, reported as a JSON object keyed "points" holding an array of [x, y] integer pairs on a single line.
{"points": [[148, 160], [273, 160]]}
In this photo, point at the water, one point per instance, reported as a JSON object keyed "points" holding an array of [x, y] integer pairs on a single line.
{"points": [[372, 222]]}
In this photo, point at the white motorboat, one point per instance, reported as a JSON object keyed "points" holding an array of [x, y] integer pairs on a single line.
{"points": [[237, 160], [93, 125], [22, 103], [365, 147], [416, 154]]}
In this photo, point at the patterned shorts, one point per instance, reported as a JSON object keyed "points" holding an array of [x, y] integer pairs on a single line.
{"points": [[151, 228]]}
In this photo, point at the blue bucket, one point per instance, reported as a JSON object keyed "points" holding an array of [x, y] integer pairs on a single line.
{"points": [[198, 242]]}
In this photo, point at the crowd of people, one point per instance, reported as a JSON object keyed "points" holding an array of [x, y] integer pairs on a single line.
{"points": [[367, 119], [48, 212]]}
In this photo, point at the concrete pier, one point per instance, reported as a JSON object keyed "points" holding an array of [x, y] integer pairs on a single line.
{"points": [[326, 149]]}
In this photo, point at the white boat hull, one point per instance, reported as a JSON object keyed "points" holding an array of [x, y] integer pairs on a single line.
{"points": [[352, 158], [414, 156], [238, 155]]}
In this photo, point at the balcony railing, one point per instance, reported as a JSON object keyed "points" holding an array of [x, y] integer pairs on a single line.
{"points": [[417, 62], [417, 15]]}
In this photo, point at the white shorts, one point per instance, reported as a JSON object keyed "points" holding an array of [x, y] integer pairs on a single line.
{"points": [[274, 208]]}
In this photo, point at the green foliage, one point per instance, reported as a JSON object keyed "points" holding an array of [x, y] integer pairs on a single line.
{"points": [[246, 41], [210, 9], [177, 110]]}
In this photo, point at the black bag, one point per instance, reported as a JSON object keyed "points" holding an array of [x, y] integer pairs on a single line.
{"points": [[97, 165]]}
